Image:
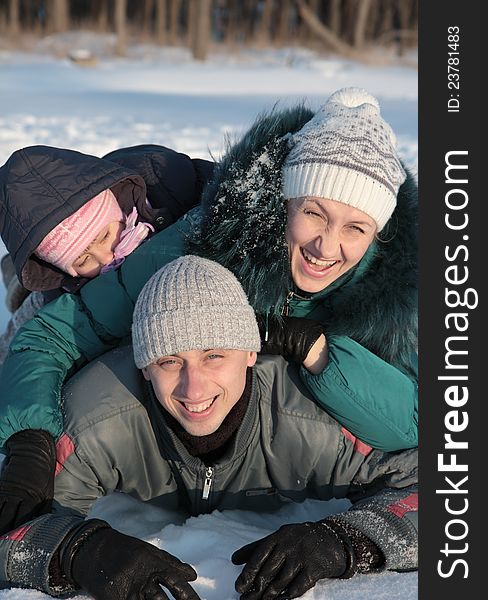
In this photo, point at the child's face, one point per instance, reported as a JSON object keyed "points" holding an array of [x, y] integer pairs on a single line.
{"points": [[100, 252]]}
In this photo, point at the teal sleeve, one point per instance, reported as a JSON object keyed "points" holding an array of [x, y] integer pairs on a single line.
{"points": [[72, 330], [372, 399]]}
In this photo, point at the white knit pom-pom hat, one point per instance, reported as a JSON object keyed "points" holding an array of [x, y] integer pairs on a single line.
{"points": [[346, 152]]}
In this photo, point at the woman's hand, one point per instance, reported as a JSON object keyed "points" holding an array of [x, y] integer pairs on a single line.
{"points": [[295, 338]]}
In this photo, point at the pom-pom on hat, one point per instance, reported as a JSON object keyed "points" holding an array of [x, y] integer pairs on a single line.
{"points": [[68, 240], [346, 152], [192, 303]]}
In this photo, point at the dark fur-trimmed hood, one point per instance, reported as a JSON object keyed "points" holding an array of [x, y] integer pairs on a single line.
{"points": [[243, 228]]}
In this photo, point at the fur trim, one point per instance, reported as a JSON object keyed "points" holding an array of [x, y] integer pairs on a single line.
{"points": [[379, 308], [244, 212], [243, 228]]}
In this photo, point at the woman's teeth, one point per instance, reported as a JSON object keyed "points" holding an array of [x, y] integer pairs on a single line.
{"points": [[198, 408], [316, 261]]}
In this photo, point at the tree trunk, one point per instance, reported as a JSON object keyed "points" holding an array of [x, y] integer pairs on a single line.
{"points": [[386, 18], [13, 18], [190, 21], [147, 18], [304, 34], [335, 17], [174, 20], [263, 32], [201, 29], [403, 16], [284, 21], [160, 22], [121, 26], [3, 22], [60, 15], [102, 19], [359, 34]]}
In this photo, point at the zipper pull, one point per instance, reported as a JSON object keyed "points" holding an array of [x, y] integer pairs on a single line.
{"points": [[208, 483], [285, 310]]}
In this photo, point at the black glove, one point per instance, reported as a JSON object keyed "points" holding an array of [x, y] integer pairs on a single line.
{"points": [[291, 337], [27, 478], [110, 565], [290, 561]]}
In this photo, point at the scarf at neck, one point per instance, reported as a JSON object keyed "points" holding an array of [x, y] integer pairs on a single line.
{"points": [[130, 238], [211, 447]]}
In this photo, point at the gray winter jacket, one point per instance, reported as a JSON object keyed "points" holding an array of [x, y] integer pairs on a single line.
{"points": [[287, 449]]}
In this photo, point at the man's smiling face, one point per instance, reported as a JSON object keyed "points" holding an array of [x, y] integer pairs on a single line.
{"points": [[200, 387]]}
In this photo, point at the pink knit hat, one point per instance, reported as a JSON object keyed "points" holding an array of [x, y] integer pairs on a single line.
{"points": [[68, 240]]}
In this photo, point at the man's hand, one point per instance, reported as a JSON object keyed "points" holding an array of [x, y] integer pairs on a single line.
{"points": [[112, 566], [290, 561], [293, 338], [27, 478]]}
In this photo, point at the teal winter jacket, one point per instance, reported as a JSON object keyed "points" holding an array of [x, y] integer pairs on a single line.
{"points": [[369, 314]]}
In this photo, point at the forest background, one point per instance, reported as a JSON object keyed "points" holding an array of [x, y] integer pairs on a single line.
{"points": [[347, 27]]}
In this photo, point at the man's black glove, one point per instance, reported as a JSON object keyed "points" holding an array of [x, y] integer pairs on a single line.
{"points": [[290, 561], [110, 565], [27, 478], [291, 337]]}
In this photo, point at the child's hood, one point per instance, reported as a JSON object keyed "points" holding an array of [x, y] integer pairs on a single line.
{"points": [[40, 186]]}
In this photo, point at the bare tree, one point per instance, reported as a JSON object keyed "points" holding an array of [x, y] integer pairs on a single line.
{"points": [[232, 26], [326, 34], [121, 26], [191, 7], [345, 26], [57, 15], [201, 29], [160, 24], [305, 35], [361, 21], [263, 32], [147, 18], [102, 17], [284, 21], [13, 18], [174, 20], [335, 20], [404, 10]]}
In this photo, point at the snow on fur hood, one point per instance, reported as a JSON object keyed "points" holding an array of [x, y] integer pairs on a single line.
{"points": [[243, 228]]}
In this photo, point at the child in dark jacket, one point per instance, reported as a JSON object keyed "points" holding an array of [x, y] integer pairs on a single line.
{"points": [[66, 217]]}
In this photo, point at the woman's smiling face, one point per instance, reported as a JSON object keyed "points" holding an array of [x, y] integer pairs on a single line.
{"points": [[325, 239]]}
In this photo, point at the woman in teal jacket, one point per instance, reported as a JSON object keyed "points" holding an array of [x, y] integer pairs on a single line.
{"points": [[316, 224], [368, 311]]}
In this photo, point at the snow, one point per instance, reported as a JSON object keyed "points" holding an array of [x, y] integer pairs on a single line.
{"points": [[161, 96]]}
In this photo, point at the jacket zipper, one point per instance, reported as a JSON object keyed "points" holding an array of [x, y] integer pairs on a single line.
{"points": [[208, 482], [289, 297], [286, 306]]}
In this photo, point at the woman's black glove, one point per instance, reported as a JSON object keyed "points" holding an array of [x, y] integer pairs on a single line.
{"points": [[27, 478], [110, 565], [291, 337], [290, 561]]}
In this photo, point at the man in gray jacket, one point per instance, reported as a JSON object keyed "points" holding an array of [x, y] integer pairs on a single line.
{"points": [[208, 426]]}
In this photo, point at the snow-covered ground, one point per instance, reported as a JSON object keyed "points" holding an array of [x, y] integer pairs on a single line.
{"points": [[161, 96]]}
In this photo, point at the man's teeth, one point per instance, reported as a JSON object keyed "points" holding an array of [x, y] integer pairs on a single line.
{"points": [[316, 261], [197, 408]]}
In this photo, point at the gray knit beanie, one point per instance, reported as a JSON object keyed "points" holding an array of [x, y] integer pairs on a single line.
{"points": [[346, 152], [192, 303]]}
